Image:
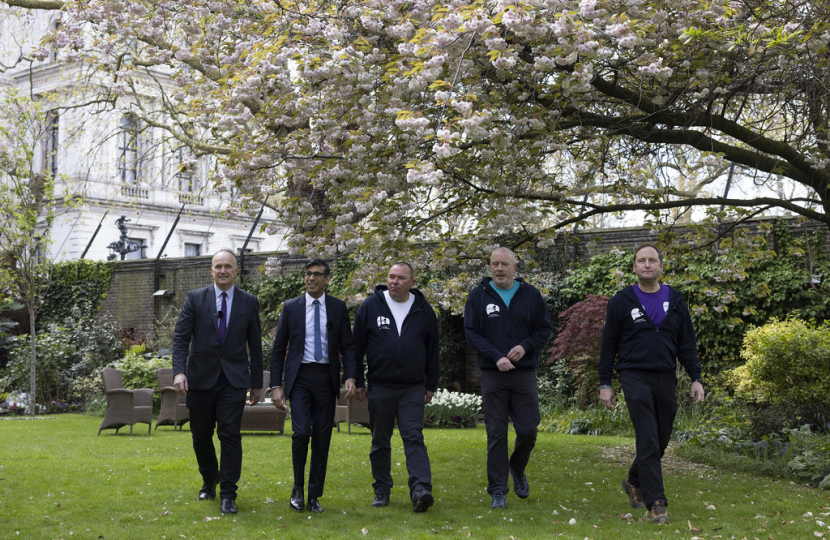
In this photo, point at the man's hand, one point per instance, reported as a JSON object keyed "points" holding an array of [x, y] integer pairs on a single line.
{"points": [[351, 391], [256, 393], [277, 398], [607, 398], [428, 397], [180, 383], [504, 364], [697, 392], [516, 353]]}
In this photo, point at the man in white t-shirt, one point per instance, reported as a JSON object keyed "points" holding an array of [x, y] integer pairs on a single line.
{"points": [[397, 331]]}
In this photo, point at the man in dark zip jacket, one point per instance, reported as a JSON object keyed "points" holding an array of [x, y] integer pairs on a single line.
{"points": [[647, 329], [397, 330], [507, 321]]}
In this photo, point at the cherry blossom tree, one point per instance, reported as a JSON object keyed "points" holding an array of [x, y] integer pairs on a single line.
{"points": [[375, 127]]}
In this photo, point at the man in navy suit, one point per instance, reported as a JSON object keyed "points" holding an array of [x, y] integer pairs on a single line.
{"points": [[217, 357], [315, 332]]}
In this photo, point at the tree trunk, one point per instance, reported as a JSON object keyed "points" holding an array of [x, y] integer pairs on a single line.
{"points": [[32, 408]]}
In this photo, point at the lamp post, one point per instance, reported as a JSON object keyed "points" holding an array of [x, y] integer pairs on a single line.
{"points": [[123, 245]]}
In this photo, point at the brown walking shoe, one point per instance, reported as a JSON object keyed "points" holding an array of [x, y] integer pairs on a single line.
{"points": [[635, 499], [658, 513]]}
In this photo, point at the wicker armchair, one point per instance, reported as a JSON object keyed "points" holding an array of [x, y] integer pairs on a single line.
{"points": [[351, 411], [125, 407], [263, 416], [174, 409]]}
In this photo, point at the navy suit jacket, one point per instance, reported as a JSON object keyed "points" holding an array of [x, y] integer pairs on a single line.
{"points": [[196, 349], [291, 337]]}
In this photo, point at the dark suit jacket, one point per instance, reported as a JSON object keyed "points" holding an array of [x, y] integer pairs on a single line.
{"points": [[291, 331], [196, 349]]}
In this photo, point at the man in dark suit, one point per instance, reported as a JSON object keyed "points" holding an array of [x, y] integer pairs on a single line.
{"points": [[315, 332], [217, 357]]}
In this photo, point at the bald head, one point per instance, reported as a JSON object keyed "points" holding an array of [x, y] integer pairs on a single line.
{"points": [[503, 267]]}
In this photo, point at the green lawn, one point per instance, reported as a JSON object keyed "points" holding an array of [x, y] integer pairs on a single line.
{"points": [[59, 480]]}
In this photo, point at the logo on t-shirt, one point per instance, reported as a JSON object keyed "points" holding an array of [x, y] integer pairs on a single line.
{"points": [[638, 315], [383, 322], [492, 310], [665, 307]]}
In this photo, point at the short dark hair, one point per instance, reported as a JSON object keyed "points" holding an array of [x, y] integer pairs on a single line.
{"points": [[652, 246], [319, 262], [404, 263]]}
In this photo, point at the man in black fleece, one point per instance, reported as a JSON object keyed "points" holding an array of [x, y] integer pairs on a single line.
{"points": [[647, 328], [507, 321], [396, 329]]}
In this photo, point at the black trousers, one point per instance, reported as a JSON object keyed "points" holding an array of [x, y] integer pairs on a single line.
{"points": [[407, 405], [652, 403], [313, 403], [512, 394], [220, 407]]}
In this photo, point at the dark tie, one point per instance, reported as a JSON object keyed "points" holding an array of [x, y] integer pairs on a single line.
{"points": [[223, 314], [318, 340]]}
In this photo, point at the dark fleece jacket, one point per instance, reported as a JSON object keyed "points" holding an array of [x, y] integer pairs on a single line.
{"points": [[393, 360]]}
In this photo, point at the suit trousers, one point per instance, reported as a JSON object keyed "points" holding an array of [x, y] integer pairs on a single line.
{"points": [[511, 395], [219, 407], [407, 405], [652, 404], [313, 404]]}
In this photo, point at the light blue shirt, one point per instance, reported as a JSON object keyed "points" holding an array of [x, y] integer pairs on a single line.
{"points": [[228, 303], [308, 353], [506, 294]]}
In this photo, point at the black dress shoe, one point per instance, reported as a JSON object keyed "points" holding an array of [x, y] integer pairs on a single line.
{"points": [[228, 506], [314, 505], [296, 502], [208, 491]]}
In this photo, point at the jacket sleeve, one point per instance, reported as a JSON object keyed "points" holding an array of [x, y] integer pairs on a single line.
{"points": [[359, 336], [687, 344], [280, 346], [433, 348], [610, 343], [255, 345], [473, 331], [182, 336], [347, 351], [542, 327]]}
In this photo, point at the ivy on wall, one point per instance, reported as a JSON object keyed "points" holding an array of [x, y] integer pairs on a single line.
{"points": [[83, 284]]}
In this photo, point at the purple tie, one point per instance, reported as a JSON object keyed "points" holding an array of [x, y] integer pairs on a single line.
{"points": [[223, 314]]}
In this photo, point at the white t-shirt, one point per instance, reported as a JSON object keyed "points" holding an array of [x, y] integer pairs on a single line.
{"points": [[399, 309]]}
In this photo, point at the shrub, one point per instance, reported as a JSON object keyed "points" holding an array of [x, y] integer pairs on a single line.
{"points": [[787, 363], [66, 353], [579, 342], [138, 368], [452, 410]]}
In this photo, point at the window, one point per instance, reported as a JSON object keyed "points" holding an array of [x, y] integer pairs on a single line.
{"points": [[185, 178], [192, 250], [140, 254], [50, 144], [128, 151]]}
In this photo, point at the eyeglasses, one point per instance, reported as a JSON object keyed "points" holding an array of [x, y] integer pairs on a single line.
{"points": [[314, 274]]}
